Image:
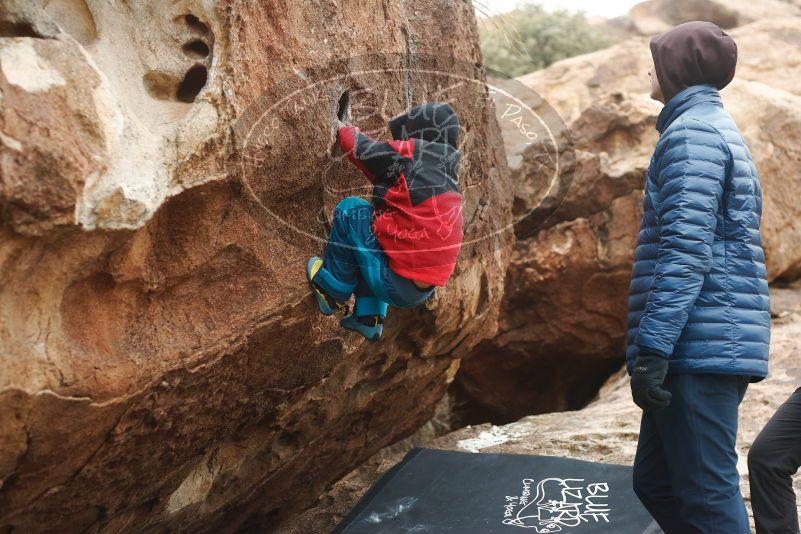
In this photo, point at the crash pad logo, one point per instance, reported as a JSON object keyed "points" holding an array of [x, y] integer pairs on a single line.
{"points": [[558, 504]]}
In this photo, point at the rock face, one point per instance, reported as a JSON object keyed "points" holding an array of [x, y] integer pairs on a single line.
{"points": [[567, 284], [769, 51], [605, 431], [656, 16], [162, 367]]}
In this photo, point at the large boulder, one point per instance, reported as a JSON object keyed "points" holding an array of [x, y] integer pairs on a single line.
{"points": [[769, 51], [606, 431], [656, 16], [566, 288], [162, 365], [770, 120]]}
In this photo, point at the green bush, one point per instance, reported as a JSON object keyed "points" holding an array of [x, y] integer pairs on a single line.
{"points": [[531, 38]]}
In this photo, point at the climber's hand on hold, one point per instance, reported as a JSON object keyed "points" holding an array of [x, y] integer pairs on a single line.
{"points": [[647, 380]]}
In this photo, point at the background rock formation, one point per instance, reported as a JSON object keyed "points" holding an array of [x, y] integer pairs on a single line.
{"points": [[566, 287], [656, 16], [161, 365]]}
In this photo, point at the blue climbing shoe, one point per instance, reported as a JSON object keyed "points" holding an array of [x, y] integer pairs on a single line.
{"points": [[327, 304], [370, 326]]}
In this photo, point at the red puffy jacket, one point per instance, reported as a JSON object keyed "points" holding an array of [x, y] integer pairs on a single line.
{"points": [[418, 207]]}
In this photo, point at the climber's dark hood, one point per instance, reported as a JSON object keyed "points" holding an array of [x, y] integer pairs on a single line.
{"points": [[693, 53], [432, 121]]}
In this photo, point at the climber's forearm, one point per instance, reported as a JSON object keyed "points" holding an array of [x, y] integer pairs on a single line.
{"points": [[348, 137]]}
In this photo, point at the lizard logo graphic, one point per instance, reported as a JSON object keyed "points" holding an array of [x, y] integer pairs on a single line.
{"points": [[558, 504]]}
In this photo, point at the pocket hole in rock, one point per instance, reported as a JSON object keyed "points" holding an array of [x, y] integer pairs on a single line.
{"points": [[343, 108], [192, 84], [195, 24], [196, 49], [159, 85], [18, 29]]}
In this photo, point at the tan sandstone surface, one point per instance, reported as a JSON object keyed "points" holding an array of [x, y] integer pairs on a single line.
{"points": [[162, 365], [769, 51], [655, 16]]}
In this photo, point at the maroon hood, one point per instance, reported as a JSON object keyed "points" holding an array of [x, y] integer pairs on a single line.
{"points": [[693, 53]]}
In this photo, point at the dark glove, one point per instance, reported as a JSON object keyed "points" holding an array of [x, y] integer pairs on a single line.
{"points": [[647, 378]]}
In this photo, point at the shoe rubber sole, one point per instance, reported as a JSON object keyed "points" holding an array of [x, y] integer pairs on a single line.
{"points": [[313, 266], [369, 333]]}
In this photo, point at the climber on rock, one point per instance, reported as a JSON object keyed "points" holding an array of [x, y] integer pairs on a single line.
{"points": [[396, 249], [699, 313]]}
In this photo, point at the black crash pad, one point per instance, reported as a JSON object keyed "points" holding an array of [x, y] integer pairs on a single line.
{"points": [[435, 491]]}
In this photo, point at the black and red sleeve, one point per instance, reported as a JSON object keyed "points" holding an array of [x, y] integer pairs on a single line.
{"points": [[382, 162]]}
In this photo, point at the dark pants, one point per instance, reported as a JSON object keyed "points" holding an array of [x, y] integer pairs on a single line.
{"points": [[354, 263], [773, 460], [685, 469]]}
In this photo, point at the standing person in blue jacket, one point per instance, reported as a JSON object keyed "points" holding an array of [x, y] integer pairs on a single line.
{"points": [[698, 319]]}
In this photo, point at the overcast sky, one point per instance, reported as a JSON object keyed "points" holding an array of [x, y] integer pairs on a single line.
{"points": [[606, 8]]}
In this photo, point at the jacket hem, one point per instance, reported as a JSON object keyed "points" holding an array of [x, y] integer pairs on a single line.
{"points": [[758, 370], [646, 349], [417, 277]]}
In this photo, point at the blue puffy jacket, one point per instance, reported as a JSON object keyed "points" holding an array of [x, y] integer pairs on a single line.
{"points": [[699, 291]]}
